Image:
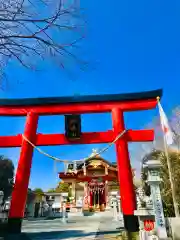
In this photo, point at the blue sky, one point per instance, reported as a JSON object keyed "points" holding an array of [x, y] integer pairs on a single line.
{"points": [[133, 46]]}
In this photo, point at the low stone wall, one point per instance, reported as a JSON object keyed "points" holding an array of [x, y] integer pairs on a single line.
{"points": [[174, 227]]}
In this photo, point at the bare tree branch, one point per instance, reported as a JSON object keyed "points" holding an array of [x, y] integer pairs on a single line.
{"points": [[33, 30]]}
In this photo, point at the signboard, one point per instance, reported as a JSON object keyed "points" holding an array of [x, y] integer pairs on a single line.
{"points": [[154, 175], [95, 163], [114, 193], [148, 225], [64, 194], [158, 209]]}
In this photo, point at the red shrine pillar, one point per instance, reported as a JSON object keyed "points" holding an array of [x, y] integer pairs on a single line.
{"points": [[20, 190], [128, 201], [91, 198]]}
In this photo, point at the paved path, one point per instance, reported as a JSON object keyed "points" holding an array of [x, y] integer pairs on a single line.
{"points": [[109, 229], [77, 228], [58, 230]]}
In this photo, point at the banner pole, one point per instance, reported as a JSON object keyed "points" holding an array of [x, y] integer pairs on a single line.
{"points": [[175, 204]]}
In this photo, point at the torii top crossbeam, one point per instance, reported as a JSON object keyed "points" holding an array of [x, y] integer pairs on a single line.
{"points": [[79, 104]]}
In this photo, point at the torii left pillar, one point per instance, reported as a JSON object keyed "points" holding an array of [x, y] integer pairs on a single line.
{"points": [[16, 213]]}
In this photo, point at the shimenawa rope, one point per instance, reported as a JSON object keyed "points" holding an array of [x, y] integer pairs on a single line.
{"points": [[67, 161]]}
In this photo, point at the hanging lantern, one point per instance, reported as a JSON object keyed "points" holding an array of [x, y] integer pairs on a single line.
{"points": [[65, 167], [84, 168]]}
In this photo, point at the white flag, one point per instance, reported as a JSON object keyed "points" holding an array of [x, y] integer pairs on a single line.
{"points": [[168, 134]]}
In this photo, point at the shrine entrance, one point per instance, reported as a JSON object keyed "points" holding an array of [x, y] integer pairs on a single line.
{"points": [[116, 104], [97, 194], [92, 180]]}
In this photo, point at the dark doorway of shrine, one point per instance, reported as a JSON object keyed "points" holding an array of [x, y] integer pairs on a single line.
{"points": [[97, 195], [98, 200]]}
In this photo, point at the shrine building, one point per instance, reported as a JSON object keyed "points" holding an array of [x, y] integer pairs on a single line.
{"points": [[93, 181]]}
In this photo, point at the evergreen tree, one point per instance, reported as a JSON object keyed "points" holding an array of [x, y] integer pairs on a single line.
{"points": [[6, 176]]}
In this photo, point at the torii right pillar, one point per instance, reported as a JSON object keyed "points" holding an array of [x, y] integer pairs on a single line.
{"points": [[128, 198]]}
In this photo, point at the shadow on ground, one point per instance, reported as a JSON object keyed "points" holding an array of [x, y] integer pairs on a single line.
{"points": [[53, 235], [60, 234], [50, 235], [50, 220], [108, 232]]}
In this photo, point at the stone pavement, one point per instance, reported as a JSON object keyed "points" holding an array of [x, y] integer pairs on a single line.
{"points": [[58, 230], [109, 229], [77, 228]]}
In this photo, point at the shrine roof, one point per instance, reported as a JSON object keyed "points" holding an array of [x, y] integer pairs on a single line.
{"points": [[87, 162], [82, 99]]}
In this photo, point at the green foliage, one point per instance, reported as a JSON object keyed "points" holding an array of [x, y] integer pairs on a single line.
{"points": [[165, 186], [51, 190], [6, 176], [115, 188], [144, 177], [62, 187], [38, 191]]}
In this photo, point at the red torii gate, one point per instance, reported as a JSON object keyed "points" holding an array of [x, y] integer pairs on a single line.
{"points": [[33, 108]]}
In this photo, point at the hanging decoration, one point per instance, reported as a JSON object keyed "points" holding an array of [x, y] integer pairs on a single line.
{"points": [[84, 159], [95, 186], [55, 159], [84, 168]]}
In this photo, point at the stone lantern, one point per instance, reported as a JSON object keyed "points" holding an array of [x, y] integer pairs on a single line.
{"points": [[1, 201], [1, 197], [50, 202]]}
